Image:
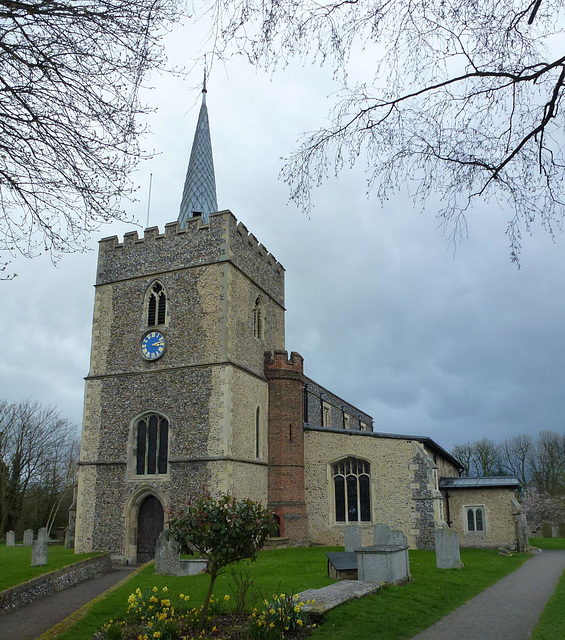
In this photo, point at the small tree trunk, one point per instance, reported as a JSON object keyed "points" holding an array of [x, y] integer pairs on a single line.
{"points": [[202, 621]]}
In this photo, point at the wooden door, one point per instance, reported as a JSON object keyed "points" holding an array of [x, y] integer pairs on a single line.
{"points": [[149, 525]]}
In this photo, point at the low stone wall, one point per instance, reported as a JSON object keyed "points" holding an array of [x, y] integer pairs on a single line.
{"points": [[52, 582]]}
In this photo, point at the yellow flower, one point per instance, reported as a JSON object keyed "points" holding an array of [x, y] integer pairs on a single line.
{"points": [[299, 622], [271, 611], [272, 625], [297, 609], [226, 597], [155, 589], [214, 629], [157, 634]]}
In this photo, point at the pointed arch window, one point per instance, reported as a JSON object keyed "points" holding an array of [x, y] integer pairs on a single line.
{"points": [[151, 445], [352, 490], [157, 305], [258, 319]]}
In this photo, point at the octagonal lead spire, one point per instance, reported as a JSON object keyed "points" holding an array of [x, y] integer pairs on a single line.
{"points": [[199, 194]]}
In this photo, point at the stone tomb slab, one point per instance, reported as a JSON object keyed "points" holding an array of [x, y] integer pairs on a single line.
{"points": [[335, 594], [342, 565], [383, 563]]}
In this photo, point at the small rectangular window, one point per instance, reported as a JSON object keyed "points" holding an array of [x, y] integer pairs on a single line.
{"points": [[474, 517], [326, 415]]}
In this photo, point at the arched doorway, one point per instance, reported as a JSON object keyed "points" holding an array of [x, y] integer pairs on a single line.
{"points": [[150, 520]]}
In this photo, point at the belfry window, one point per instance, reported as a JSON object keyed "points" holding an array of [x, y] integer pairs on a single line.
{"points": [[258, 319], [352, 490], [152, 445], [157, 305]]}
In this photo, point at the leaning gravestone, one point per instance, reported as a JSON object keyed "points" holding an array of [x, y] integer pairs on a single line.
{"points": [[10, 539], [546, 530], [28, 537], [167, 556], [42, 534], [352, 538], [522, 532], [447, 549], [39, 553]]}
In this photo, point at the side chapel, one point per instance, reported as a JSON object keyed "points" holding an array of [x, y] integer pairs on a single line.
{"points": [[190, 386]]}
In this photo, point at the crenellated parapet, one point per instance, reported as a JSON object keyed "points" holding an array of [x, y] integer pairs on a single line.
{"points": [[279, 365], [222, 239]]}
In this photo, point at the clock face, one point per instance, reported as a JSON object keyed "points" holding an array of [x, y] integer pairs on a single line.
{"points": [[153, 345]]}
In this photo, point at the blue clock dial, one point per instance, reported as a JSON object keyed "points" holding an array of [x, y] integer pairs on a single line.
{"points": [[153, 345]]}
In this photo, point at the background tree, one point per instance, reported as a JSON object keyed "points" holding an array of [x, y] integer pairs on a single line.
{"points": [[479, 458], [70, 74], [34, 440], [463, 100], [548, 463], [516, 454], [222, 530]]}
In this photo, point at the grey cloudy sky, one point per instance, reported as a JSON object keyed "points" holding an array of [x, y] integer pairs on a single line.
{"points": [[456, 346]]}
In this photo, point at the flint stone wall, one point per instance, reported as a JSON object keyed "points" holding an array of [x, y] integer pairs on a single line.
{"points": [[53, 582]]}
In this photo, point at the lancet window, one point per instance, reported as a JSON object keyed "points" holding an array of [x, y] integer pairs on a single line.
{"points": [[151, 445]]}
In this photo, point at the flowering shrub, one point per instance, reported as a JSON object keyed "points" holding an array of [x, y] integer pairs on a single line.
{"points": [[281, 614], [222, 530], [153, 614]]}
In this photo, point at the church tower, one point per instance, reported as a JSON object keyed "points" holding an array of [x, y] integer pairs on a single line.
{"points": [[176, 398]]}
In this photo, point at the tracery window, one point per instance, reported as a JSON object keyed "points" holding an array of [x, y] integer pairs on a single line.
{"points": [[151, 445], [352, 490], [475, 516], [157, 305], [258, 319]]}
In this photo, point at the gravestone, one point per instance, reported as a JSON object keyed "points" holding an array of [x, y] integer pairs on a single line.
{"points": [[39, 553], [382, 534], [522, 532], [554, 531], [546, 530], [42, 534], [10, 539], [167, 555], [352, 538], [28, 537], [562, 530], [447, 549]]}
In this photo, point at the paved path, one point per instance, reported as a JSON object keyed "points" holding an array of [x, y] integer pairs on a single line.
{"points": [[31, 621], [509, 610]]}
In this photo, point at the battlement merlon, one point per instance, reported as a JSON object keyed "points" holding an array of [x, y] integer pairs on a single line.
{"points": [[278, 364], [222, 239]]}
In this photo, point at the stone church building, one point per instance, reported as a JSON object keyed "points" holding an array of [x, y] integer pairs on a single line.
{"points": [[190, 386]]}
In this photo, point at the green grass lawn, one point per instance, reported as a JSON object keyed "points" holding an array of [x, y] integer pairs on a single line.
{"points": [[401, 612], [395, 612], [551, 625], [15, 563], [549, 544]]}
